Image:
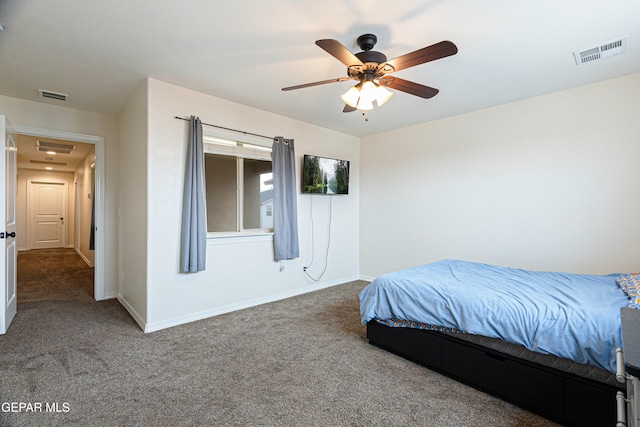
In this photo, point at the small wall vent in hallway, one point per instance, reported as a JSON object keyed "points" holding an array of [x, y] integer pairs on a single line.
{"points": [[604, 50]]}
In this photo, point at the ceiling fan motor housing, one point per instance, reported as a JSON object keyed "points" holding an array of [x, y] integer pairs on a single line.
{"points": [[371, 61], [366, 43], [371, 56]]}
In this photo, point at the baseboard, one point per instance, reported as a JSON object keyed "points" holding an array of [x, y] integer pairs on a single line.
{"points": [[138, 319], [84, 258], [110, 295], [192, 317], [367, 278]]}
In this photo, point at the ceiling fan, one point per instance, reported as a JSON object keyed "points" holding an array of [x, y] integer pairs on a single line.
{"points": [[372, 70]]}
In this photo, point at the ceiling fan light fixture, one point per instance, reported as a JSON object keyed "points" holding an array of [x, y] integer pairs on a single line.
{"points": [[362, 95], [365, 104], [352, 96], [382, 95], [367, 95]]}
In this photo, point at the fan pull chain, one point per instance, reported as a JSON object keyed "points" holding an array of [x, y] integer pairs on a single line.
{"points": [[366, 117]]}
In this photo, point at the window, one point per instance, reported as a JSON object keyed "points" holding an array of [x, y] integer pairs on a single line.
{"points": [[239, 187]]}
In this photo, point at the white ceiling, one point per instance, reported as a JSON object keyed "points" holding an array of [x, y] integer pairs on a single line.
{"points": [[99, 51]]}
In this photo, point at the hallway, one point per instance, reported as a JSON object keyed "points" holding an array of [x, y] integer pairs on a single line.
{"points": [[54, 275]]}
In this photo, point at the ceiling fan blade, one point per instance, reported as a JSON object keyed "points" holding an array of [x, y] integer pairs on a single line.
{"points": [[323, 82], [408, 87], [338, 51], [426, 54], [348, 108]]}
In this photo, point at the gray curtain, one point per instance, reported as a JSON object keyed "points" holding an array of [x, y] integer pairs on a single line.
{"points": [[194, 221], [285, 204]]}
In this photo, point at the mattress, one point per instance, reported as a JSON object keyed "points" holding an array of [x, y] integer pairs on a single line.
{"points": [[572, 316]]}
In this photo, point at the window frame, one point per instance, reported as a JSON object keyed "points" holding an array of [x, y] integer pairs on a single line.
{"points": [[220, 143]]}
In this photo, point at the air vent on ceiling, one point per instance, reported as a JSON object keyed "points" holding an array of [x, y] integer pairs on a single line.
{"points": [[53, 95], [42, 162], [604, 50], [56, 147]]}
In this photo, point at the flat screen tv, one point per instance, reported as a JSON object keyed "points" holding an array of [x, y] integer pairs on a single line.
{"points": [[322, 175]]}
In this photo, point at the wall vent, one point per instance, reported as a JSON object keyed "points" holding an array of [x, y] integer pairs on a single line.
{"points": [[55, 147], [604, 50], [53, 95]]}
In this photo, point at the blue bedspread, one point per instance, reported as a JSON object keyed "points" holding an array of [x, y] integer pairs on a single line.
{"points": [[575, 316]]}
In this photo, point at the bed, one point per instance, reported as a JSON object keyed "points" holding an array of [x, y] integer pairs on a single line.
{"points": [[545, 341]]}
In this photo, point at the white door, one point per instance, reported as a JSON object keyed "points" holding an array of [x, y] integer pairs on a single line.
{"points": [[47, 207], [8, 252]]}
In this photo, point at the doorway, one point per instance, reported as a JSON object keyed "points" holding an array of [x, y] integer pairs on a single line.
{"points": [[57, 274], [81, 227]]}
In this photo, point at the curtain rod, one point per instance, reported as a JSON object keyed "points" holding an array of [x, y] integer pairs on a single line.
{"points": [[233, 130]]}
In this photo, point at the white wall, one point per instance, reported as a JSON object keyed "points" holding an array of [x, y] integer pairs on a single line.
{"points": [[84, 193], [239, 273], [547, 183], [133, 135], [56, 118]]}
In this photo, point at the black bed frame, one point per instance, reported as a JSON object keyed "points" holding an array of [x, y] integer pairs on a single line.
{"points": [[559, 396]]}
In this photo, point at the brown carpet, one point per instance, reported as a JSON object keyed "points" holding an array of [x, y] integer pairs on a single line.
{"points": [[304, 361], [53, 275]]}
